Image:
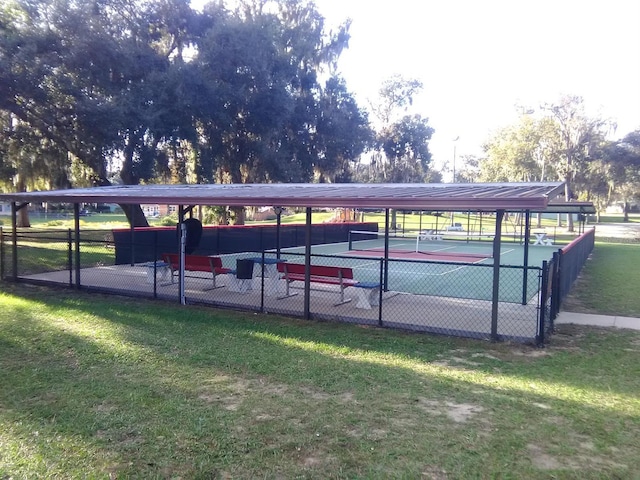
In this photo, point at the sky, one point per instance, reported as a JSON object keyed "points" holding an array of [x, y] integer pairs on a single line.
{"points": [[480, 59]]}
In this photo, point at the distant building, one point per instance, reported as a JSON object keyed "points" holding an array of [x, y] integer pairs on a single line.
{"points": [[157, 210]]}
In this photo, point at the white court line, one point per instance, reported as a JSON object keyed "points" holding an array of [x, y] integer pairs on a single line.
{"points": [[366, 265], [441, 274], [507, 251], [439, 249]]}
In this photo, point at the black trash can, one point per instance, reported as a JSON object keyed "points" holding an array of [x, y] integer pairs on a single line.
{"points": [[244, 269]]}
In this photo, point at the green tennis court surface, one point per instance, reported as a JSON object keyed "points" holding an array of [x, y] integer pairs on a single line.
{"points": [[466, 272]]}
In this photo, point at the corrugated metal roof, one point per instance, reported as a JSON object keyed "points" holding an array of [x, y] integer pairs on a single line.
{"points": [[568, 207], [407, 196]]}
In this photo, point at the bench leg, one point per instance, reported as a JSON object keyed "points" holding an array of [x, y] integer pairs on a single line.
{"points": [[214, 285], [170, 280], [342, 299], [240, 285], [287, 292], [368, 298]]}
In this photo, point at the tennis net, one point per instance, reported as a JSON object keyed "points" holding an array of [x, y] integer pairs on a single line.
{"points": [[360, 240], [424, 242]]}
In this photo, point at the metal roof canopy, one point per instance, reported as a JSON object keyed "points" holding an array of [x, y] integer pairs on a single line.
{"points": [[407, 196], [585, 208], [492, 197]]}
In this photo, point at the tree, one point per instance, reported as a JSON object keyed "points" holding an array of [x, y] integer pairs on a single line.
{"points": [[579, 134], [81, 77], [565, 143], [343, 133], [169, 94], [623, 159], [266, 116], [394, 97], [470, 169], [402, 141], [405, 144], [523, 151]]}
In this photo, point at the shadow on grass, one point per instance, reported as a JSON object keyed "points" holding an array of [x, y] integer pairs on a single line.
{"points": [[126, 380]]}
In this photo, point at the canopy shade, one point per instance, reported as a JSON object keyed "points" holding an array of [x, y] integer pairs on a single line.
{"points": [[403, 196]]}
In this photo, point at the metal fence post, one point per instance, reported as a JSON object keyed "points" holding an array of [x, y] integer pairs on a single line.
{"points": [[262, 283], [1, 254], [555, 287], [70, 256], [542, 307], [155, 264], [380, 292]]}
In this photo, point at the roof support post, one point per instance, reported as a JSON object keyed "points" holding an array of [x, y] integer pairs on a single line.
{"points": [[14, 241], [76, 228], [15, 208], [132, 240], [525, 270], [278, 211], [385, 284], [495, 296], [307, 264], [181, 253]]}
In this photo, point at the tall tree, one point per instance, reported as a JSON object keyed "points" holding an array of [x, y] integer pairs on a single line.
{"points": [[623, 158], [168, 94], [402, 141], [343, 133], [579, 133]]}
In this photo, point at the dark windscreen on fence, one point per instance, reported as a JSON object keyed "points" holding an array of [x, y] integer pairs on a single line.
{"points": [[572, 259]]}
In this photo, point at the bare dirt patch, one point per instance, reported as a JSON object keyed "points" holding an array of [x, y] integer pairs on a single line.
{"points": [[458, 412], [542, 460]]}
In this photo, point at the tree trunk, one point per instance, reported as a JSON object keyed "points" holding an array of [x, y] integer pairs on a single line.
{"points": [[567, 197], [22, 219], [135, 215], [239, 215], [625, 211]]}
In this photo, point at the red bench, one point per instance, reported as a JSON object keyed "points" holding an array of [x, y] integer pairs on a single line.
{"points": [[197, 263], [341, 276]]}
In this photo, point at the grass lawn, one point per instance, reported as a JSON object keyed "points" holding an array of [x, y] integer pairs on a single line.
{"points": [[609, 282], [104, 387]]}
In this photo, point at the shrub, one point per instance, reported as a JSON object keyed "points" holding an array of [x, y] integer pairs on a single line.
{"points": [[54, 223], [168, 221]]}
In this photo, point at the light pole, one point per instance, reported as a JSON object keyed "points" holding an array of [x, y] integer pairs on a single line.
{"points": [[455, 141]]}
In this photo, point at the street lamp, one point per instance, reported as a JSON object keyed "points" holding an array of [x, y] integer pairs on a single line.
{"points": [[455, 141]]}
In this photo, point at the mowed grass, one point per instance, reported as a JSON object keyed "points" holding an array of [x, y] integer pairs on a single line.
{"points": [[608, 283], [105, 387]]}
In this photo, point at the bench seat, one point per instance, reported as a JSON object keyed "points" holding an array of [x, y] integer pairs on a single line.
{"points": [[341, 276], [197, 263]]}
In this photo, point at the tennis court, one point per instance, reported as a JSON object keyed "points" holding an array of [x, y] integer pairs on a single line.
{"points": [[449, 268]]}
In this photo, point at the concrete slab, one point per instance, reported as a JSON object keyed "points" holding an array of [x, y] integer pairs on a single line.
{"points": [[628, 322], [598, 320]]}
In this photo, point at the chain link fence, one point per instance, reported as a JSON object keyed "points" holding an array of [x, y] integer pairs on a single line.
{"points": [[450, 298]]}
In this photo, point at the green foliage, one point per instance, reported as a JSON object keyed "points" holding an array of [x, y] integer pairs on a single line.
{"points": [[401, 150], [525, 151], [168, 221], [84, 85]]}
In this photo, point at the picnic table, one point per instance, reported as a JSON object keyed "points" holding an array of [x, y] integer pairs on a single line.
{"points": [[541, 238]]}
